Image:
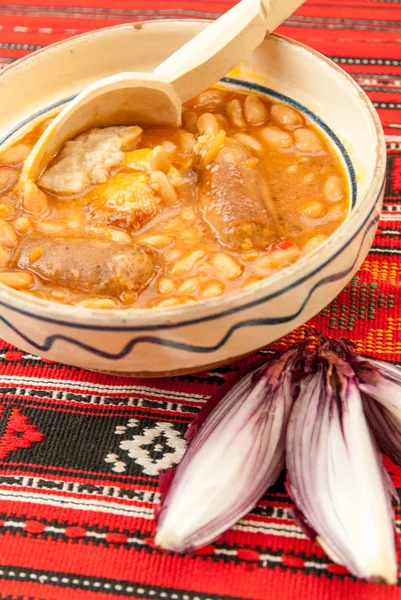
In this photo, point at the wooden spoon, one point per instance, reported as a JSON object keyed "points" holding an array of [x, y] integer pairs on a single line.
{"points": [[136, 98]]}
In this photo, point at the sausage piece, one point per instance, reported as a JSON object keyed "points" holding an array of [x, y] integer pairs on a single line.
{"points": [[236, 201], [89, 265]]}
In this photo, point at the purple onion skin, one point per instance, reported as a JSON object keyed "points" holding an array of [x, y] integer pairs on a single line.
{"points": [[385, 426], [233, 457], [335, 473], [380, 384]]}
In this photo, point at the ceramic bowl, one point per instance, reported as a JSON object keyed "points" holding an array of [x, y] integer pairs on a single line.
{"points": [[159, 342]]}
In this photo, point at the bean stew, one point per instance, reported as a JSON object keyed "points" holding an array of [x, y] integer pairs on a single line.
{"points": [[157, 216]]}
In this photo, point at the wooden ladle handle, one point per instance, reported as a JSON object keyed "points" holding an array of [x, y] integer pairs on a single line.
{"points": [[223, 44]]}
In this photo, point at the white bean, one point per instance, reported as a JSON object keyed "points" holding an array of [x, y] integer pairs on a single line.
{"points": [[249, 141], [175, 177], [168, 303], [98, 303], [186, 264], [157, 241], [15, 155], [165, 285], [162, 185], [169, 147], [22, 225], [59, 295], [8, 237], [255, 110], [50, 227], [234, 111], [118, 236], [277, 259], [228, 268], [276, 137], [285, 116], [8, 178], [313, 243], [18, 280], [187, 141], [333, 189], [173, 254], [189, 286], [212, 289], [208, 124], [159, 160], [313, 209], [210, 99], [308, 141]]}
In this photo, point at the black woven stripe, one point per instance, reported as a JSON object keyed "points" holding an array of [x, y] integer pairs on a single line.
{"points": [[128, 411], [36, 470], [386, 249], [11, 46], [339, 21], [379, 89], [381, 77], [9, 597], [102, 13], [114, 407], [123, 396], [335, 26], [347, 60], [388, 105], [358, 6], [110, 586]]}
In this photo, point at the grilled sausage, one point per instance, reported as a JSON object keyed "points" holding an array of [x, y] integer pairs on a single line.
{"points": [[236, 201], [90, 265]]}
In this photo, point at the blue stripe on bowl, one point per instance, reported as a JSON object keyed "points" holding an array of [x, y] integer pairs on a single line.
{"points": [[191, 348], [34, 116]]}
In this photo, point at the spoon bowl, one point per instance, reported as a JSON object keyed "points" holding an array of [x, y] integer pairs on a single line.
{"points": [[142, 98]]}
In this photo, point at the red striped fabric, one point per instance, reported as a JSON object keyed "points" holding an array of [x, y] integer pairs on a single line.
{"points": [[79, 451]]}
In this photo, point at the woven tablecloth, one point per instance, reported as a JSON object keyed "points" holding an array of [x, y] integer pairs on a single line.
{"points": [[80, 452]]}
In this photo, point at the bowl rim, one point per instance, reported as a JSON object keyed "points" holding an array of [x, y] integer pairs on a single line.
{"points": [[205, 310]]}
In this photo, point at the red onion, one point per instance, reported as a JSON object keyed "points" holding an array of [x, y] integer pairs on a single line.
{"points": [[381, 386], [236, 452], [324, 405], [335, 473]]}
